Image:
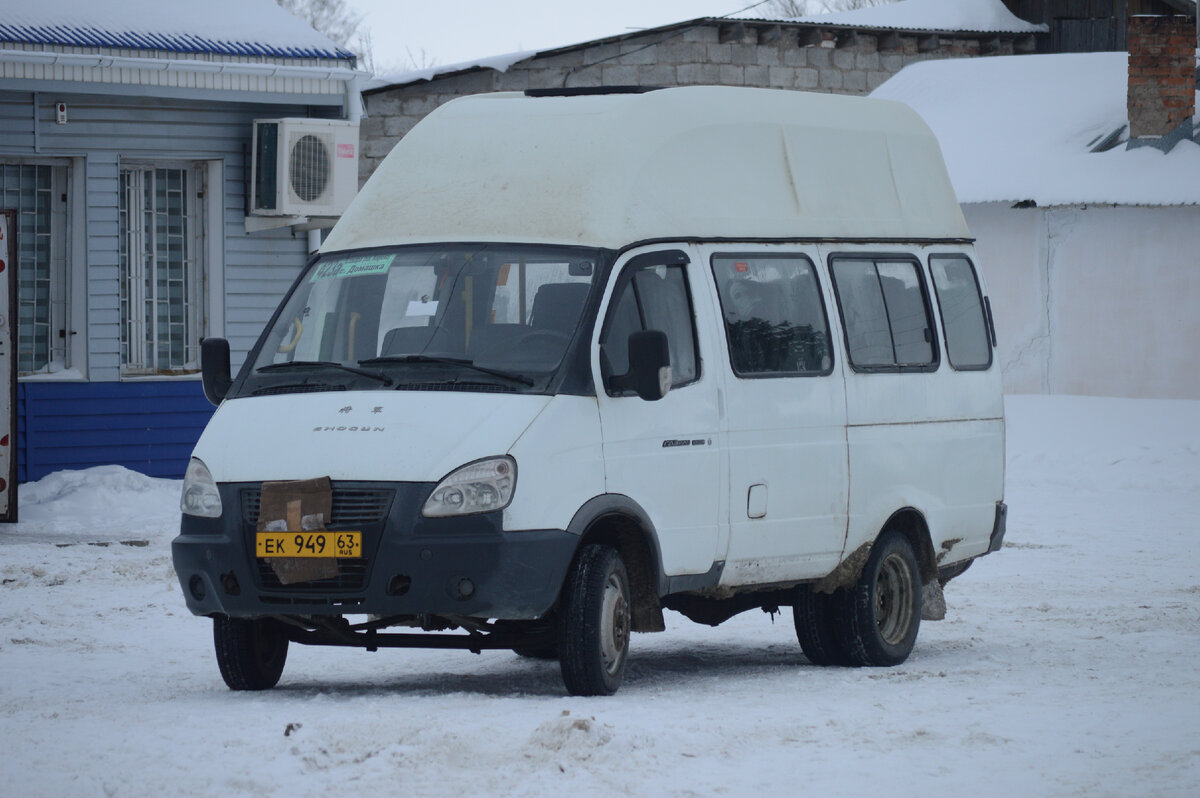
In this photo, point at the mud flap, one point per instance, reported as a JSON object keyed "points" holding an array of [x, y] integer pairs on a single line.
{"points": [[299, 506], [933, 601]]}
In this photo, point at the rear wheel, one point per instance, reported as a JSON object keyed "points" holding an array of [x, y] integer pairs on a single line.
{"points": [[594, 622], [880, 614], [815, 620], [251, 652]]}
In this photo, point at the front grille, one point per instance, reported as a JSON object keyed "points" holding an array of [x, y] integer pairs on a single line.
{"points": [[310, 601], [351, 506], [352, 575], [361, 509]]}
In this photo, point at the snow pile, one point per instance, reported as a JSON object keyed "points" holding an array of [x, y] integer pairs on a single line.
{"points": [[573, 737], [1016, 128], [989, 16], [1066, 664], [1136, 445], [94, 505], [242, 27]]}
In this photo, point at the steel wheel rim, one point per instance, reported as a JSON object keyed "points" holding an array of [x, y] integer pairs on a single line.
{"points": [[894, 600], [614, 625]]}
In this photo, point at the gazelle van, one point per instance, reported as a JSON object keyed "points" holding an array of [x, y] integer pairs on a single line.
{"points": [[569, 361]]}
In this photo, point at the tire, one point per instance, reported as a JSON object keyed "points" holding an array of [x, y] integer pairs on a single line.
{"points": [[879, 616], [594, 622], [816, 622], [250, 652]]}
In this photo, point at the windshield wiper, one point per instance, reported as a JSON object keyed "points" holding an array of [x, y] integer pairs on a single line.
{"points": [[448, 361], [316, 365]]}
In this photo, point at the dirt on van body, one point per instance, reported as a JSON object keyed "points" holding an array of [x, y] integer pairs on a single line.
{"points": [[847, 571]]}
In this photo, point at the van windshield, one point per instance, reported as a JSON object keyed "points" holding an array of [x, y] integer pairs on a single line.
{"points": [[449, 317]]}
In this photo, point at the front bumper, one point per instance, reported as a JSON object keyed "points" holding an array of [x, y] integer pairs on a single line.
{"points": [[411, 565]]}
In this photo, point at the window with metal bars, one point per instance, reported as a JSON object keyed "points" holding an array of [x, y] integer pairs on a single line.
{"points": [[161, 226], [37, 191]]}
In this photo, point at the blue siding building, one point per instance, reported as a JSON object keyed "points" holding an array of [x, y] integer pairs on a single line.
{"points": [[125, 149]]}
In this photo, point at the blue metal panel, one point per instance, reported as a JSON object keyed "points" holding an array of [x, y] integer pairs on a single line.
{"points": [[149, 427]]}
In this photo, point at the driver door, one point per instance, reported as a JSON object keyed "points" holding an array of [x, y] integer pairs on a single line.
{"points": [[663, 454]]}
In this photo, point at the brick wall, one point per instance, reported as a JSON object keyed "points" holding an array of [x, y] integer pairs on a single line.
{"points": [[1162, 74], [773, 56]]}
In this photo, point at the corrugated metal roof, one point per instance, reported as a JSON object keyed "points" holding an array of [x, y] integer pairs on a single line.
{"points": [[217, 27], [87, 36]]}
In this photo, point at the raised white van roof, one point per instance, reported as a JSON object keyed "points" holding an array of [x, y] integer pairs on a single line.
{"points": [[609, 170]]}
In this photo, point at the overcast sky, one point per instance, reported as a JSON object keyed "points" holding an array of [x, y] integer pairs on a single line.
{"points": [[441, 32]]}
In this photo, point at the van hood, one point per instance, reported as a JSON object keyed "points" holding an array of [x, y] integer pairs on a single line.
{"points": [[361, 435]]}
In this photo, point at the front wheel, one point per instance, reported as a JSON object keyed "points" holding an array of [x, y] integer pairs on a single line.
{"points": [[594, 622], [251, 652], [880, 614]]}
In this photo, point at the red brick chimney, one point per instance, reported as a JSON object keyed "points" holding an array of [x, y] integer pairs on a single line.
{"points": [[1162, 75]]}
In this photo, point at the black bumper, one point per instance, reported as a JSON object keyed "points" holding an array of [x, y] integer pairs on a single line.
{"points": [[411, 565]]}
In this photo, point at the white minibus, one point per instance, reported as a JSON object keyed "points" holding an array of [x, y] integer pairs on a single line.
{"points": [[571, 359]]}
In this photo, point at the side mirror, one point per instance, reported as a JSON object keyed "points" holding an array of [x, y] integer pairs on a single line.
{"points": [[649, 366], [214, 368]]}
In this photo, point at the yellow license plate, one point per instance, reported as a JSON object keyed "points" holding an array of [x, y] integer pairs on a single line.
{"points": [[308, 544]]}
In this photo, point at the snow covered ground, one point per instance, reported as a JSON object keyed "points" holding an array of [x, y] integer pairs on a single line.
{"points": [[1067, 664]]}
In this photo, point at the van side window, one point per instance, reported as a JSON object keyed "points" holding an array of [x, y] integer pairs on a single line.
{"points": [[652, 298], [774, 319], [968, 346], [885, 312]]}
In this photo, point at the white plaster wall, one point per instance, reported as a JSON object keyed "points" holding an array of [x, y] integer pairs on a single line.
{"points": [[1094, 300], [1010, 245]]}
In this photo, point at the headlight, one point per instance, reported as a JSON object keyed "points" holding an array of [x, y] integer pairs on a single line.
{"points": [[200, 496], [478, 487]]}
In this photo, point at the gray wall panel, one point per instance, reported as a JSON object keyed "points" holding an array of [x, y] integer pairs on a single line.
{"points": [[257, 268]]}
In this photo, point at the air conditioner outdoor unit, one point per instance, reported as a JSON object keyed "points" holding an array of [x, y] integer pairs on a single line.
{"points": [[303, 167]]}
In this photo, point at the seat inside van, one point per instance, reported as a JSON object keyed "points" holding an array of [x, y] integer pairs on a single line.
{"points": [[558, 306]]}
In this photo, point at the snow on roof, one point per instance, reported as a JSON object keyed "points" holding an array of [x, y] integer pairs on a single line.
{"points": [[1016, 128], [500, 63], [223, 27], [989, 16]]}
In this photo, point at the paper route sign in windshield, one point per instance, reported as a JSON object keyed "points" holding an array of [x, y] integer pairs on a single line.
{"points": [[354, 267]]}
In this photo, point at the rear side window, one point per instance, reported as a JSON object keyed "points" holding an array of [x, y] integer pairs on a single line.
{"points": [[885, 311], [968, 346], [652, 298], [774, 319]]}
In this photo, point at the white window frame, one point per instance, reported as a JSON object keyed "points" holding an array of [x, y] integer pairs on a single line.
{"points": [[136, 238], [64, 344]]}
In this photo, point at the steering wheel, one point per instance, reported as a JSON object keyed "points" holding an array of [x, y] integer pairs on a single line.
{"points": [[298, 330]]}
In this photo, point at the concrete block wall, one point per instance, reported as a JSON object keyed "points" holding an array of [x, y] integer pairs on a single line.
{"points": [[778, 57]]}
